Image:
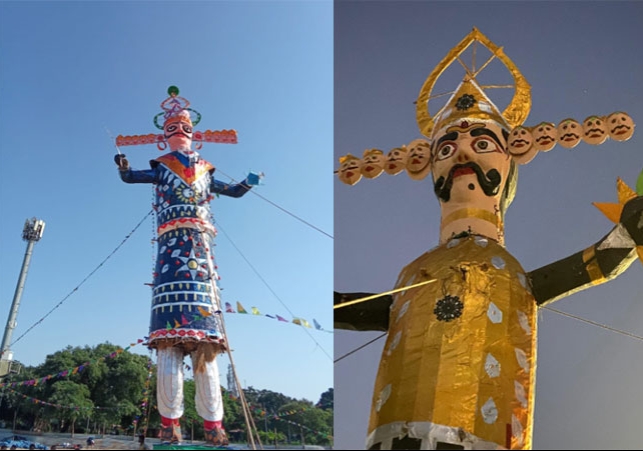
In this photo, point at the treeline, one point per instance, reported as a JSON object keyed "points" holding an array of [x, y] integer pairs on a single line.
{"points": [[117, 395]]}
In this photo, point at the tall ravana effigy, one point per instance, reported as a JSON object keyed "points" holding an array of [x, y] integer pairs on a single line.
{"points": [[186, 310], [464, 333]]}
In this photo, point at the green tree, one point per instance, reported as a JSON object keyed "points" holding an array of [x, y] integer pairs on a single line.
{"points": [[74, 399], [326, 400]]}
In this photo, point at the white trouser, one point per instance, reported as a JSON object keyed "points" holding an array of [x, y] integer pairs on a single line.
{"points": [[169, 388]]}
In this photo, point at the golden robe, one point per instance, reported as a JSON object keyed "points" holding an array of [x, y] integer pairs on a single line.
{"points": [[458, 366]]}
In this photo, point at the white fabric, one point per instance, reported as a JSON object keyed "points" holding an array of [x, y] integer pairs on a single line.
{"points": [[208, 399], [169, 388]]}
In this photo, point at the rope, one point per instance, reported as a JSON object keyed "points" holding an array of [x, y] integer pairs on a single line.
{"points": [[602, 326], [368, 298], [361, 347], [84, 280], [279, 207], [270, 288]]}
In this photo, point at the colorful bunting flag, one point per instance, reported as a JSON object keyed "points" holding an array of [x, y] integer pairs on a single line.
{"points": [[317, 326], [255, 311], [228, 308], [279, 318], [240, 308]]}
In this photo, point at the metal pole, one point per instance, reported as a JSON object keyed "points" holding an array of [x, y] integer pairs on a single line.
{"points": [[31, 233]]}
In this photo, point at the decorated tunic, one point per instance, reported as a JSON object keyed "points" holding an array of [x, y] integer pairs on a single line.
{"points": [[459, 362], [185, 297]]}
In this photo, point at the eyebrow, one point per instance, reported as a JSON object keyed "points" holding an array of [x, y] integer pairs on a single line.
{"points": [[486, 131], [448, 137]]}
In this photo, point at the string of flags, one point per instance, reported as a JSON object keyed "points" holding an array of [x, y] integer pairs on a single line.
{"points": [[69, 372], [255, 311], [58, 406]]}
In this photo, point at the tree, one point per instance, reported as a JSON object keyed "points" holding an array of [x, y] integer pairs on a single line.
{"points": [[73, 399], [326, 400]]}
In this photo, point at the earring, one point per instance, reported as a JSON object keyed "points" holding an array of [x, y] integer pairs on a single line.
{"points": [[161, 145]]}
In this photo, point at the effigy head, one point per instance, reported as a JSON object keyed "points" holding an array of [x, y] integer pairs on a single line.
{"points": [[594, 130], [178, 122], [178, 131], [471, 162], [349, 169], [396, 160], [372, 163], [469, 144], [418, 164], [569, 133], [620, 126], [545, 135]]}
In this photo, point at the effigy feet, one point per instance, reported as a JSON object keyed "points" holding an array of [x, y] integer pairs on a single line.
{"points": [[216, 437]]}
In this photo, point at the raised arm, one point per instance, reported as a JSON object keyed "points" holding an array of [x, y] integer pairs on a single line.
{"points": [[234, 189], [597, 264], [128, 175]]}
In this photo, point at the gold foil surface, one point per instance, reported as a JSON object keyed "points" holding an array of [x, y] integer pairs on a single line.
{"points": [[476, 371]]}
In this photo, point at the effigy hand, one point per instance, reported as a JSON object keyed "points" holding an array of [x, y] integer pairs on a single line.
{"points": [[253, 179], [121, 162]]}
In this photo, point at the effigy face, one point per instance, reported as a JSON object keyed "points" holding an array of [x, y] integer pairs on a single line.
{"points": [[372, 164], [349, 171], [569, 133], [396, 160], [520, 141], [470, 162], [418, 163], [594, 130], [620, 126], [178, 133], [545, 135]]}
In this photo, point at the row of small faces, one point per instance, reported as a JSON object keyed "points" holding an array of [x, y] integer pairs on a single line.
{"points": [[523, 144]]}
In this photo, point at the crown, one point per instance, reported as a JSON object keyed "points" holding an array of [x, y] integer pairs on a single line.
{"points": [[176, 108], [469, 99]]}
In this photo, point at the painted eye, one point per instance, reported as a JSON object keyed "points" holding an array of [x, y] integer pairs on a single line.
{"points": [[187, 129], [446, 151], [598, 122], [484, 145], [171, 128]]}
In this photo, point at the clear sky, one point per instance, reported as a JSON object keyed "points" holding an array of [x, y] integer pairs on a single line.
{"points": [[70, 69], [581, 59]]}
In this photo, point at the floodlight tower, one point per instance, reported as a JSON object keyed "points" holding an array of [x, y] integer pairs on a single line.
{"points": [[31, 233]]}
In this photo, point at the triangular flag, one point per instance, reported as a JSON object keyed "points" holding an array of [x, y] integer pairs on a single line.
{"points": [[240, 308], [297, 321], [168, 326], [625, 193], [306, 324], [184, 320], [612, 211], [228, 308], [270, 316], [203, 311], [255, 311], [317, 326], [176, 324], [282, 319]]}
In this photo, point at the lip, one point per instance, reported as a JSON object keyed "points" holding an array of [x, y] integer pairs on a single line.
{"points": [[518, 144], [392, 165], [545, 142], [463, 171], [416, 161], [569, 137], [369, 168]]}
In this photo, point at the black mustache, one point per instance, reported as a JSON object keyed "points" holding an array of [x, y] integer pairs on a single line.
{"points": [[595, 130], [574, 135], [177, 133], [519, 141], [550, 138], [620, 126], [489, 182]]}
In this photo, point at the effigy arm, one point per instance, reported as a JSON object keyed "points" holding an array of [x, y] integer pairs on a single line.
{"points": [[369, 315], [235, 189], [144, 176], [597, 264]]}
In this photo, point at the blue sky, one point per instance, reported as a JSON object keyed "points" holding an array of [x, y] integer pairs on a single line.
{"points": [[581, 59], [68, 70]]}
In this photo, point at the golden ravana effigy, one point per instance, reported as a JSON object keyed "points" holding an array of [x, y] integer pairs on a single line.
{"points": [[464, 331]]}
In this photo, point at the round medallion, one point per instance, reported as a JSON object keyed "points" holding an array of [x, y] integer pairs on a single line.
{"points": [[448, 308]]}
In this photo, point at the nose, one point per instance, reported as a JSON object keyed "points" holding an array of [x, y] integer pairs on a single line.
{"points": [[462, 157]]}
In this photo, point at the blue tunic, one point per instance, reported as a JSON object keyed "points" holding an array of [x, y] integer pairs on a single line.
{"points": [[185, 299]]}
